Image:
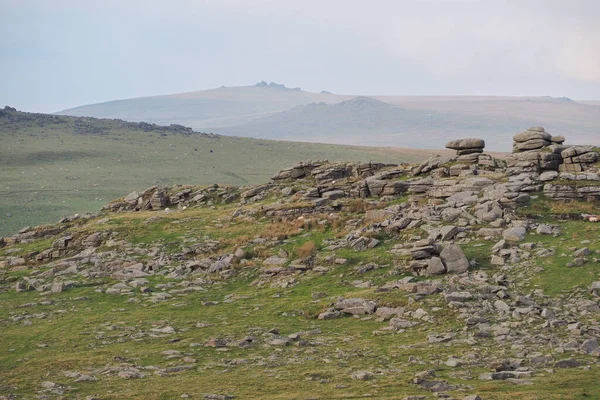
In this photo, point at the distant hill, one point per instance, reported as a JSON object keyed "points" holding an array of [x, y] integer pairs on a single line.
{"points": [[423, 123], [591, 102], [365, 121], [224, 106], [270, 110]]}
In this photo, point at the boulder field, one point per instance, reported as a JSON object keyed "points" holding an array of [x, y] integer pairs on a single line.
{"points": [[465, 277]]}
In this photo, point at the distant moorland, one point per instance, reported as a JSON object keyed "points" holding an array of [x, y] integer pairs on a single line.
{"points": [[272, 111], [53, 166]]}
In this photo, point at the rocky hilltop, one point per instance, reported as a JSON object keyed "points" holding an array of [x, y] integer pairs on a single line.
{"points": [[465, 277]]}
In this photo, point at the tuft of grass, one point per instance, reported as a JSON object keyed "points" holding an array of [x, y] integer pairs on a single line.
{"points": [[306, 250]]}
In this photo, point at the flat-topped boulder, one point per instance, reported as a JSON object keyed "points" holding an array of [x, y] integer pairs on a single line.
{"points": [[466, 144], [532, 144], [534, 133], [535, 138]]}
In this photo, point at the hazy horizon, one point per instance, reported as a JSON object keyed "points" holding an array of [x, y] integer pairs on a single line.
{"points": [[66, 53]]}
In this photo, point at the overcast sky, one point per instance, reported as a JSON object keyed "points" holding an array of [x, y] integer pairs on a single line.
{"points": [[64, 53]]}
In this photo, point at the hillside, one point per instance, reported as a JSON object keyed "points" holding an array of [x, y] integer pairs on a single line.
{"points": [[367, 121], [274, 111], [215, 107], [461, 277], [54, 166]]}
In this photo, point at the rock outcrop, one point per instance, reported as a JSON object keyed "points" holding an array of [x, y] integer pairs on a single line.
{"points": [[444, 252], [468, 150]]}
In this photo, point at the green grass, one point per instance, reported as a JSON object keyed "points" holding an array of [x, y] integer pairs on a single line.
{"points": [[544, 209], [100, 330], [49, 171], [85, 330], [556, 277]]}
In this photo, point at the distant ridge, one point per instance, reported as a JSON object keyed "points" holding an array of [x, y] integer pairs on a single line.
{"points": [[274, 85], [272, 110], [224, 106]]}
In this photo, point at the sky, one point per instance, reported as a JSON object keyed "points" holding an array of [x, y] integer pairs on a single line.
{"points": [[65, 53]]}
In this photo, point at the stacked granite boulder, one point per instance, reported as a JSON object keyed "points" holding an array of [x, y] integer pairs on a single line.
{"points": [[535, 150], [430, 258], [468, 150], [535, 138], [578, 158]]}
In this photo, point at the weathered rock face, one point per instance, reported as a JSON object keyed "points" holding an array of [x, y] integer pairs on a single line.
{"points": [[514, 234], [468, 150], [536, 151], [299, 171], [323, 171], [578, 158], [454, 259], [533, 161], [356, 306], [92, 240], [572, 192], [378, 187], [534, 133], [435, 259]]}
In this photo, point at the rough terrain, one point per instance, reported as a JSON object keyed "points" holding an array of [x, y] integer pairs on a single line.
{"points": [[462, 277], [54, 166]]}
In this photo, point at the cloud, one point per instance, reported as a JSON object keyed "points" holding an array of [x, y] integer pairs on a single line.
{"points": [[579, 56], [71, 52]]}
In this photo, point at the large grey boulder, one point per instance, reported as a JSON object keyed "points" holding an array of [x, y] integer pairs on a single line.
{"points": [[448, 232], [435, 266], [132, 198], [489, 211], [93, 240], [454, 259], [356, 306], [575, 151], [514, 234], [589, 345], [548, 176], [544, 229], [329, 314]]}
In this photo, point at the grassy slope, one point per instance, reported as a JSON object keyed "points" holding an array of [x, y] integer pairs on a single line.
{"points": [[48, 171], [95, 330]]}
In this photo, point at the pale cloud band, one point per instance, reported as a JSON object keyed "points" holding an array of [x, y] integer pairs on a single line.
{"points": [[66, 52]]}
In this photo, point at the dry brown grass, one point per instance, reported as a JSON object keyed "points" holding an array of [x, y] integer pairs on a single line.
{"points": [[359, 205], [306, 250], [560, 207]]}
